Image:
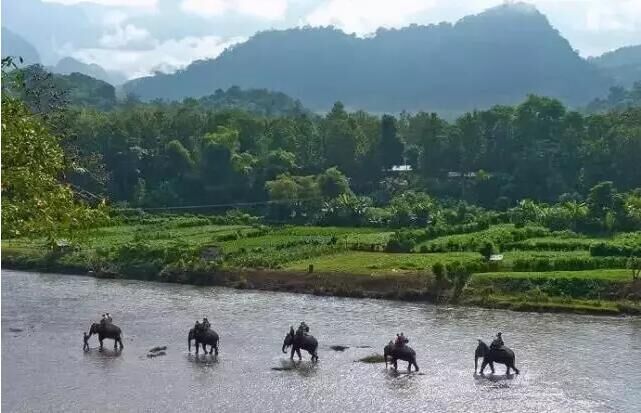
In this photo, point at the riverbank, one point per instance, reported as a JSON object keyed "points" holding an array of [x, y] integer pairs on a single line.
{"points": [[523, 292], [538, 271]]}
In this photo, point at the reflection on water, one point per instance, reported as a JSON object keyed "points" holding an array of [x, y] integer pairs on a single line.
{"points": [[568, 363]]}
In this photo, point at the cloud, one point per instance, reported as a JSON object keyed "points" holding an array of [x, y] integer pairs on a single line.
{"points": [[263, 9], [147, 4], [126, 35], [168, 56], [365, 16]]}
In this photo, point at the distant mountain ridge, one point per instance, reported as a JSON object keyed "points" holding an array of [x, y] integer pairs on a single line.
{"points": [[496, 57], [623, 64], [16, 46], [68, 65]]}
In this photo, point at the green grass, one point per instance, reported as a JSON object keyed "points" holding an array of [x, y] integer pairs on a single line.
{"points": [[169, 249], [611, 275], [378, 262]]}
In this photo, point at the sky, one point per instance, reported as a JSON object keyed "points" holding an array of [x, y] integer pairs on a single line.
{"points": [[138, 37]]}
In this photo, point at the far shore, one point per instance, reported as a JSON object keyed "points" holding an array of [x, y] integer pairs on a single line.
{"points": [[407, 286]]}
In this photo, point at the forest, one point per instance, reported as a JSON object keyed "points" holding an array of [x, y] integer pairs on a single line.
{"points": [[251, 180], [350, 168]]}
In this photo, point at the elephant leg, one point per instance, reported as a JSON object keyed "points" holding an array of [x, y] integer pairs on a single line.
{"points": [[415, 364], [409, 366], [395, 363], [120, 341], [197, 346], [216, 348], [115, 344], [492, 366], [514, 368], [204, 348], [291, 355], [211, 348], [483, 365], [300, 356], [476, 364], [100, 343]]}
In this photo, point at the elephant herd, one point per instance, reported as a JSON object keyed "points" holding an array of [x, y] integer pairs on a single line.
{"points": [[392, 352]]}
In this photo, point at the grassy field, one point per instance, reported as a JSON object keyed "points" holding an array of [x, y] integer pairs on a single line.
{"points": [[376, 262], [540, 268]]}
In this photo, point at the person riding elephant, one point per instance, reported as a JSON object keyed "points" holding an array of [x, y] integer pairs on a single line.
{"points": [[203, 337], [493, 354], [401, 340], [104, 330], [303, 329], [497, 342], [205, 325], [298, 340], [394, 352]]}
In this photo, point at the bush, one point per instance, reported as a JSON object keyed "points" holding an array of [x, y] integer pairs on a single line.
{"points": [[487, 249], [401, 241]]}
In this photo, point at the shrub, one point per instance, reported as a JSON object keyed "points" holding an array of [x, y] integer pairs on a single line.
{"points": [[487, 249], [401, 241]]}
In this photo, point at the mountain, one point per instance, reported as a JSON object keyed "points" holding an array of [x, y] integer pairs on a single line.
{"points": [[496, 57], [70, 65], [77, 89], [16, 46], [624, 64]]}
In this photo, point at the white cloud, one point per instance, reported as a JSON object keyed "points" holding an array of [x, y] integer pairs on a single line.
{"points": [[264, 9], [147, 4], [364, 16], [169, 56], [125, 35]]}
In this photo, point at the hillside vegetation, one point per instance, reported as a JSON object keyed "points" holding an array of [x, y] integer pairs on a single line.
{"points": [[496, 57]]}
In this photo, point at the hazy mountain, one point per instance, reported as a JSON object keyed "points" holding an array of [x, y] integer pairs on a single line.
{"points": [[498, 56], [16, 46], [50, 26], [70, 65], [623, 64], [75, 89]]}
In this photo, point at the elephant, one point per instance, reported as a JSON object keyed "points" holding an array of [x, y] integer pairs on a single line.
{"points": [[107, 330], [300, 341], [404, 352], [203, 337], [501, 355]]}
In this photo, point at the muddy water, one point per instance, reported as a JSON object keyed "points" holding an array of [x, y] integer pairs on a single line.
{"points": [[568, 363]]}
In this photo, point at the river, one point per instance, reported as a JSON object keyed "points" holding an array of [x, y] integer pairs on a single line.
{"points": [[568, 363]]}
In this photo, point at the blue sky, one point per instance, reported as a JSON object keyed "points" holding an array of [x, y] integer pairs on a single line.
{"points": [[139, 36]]}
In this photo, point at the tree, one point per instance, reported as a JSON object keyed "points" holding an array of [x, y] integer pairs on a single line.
{"points": [[601, 199], [487, 249], [34, 199], [284, 189], [634, 264], [178, 158], [333, 183], [391, 147]]}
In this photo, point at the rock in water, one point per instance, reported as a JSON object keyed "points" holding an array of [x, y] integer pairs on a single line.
{"points": [[339, 348], [374, 358], [157, 349]]}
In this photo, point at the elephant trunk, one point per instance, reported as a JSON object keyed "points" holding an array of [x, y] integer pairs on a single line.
{"points": [[284, 348]]}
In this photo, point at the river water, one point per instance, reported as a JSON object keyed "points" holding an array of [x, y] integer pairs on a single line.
{"points": [[568, 363]]}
